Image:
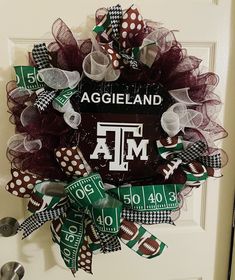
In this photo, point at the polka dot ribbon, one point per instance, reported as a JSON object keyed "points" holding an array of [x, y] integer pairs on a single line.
{"points": [[132, 23], [86, 219], [72, 161], [121, 48], [87, 195], [22, 183]]}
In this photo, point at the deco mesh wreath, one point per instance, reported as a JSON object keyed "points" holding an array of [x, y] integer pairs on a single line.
{"points": [[112, 133]]}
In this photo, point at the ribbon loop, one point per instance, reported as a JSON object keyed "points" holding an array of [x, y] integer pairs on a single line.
{"points": [[106, 214], [41, 56], [85, 191], [178, 117], [27, 77], [71, 238], [46, 195], [149, 198], [173, 151], [59, 79]]}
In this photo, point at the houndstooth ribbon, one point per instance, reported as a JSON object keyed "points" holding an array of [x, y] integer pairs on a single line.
{"points": [[173, 151], [115, 15], [109, 243], [148, 218], [44, 99], [193, 152], [124, 28], [211, 161], [41, 56], [36, 220]]}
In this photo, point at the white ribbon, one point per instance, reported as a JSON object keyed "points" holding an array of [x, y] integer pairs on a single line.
{"points": [[59, 79], [177, 117], [96, 66], [18, 93], [20, 143], [72, 118], [154, 44], [29, 115], [181, 95]]}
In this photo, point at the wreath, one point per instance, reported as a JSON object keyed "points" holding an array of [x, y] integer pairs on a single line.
{"points": [[112, 133]]}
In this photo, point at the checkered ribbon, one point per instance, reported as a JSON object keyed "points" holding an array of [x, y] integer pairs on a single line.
{"points": [[44, 99], [109, 243], [193, 152], [115, 15], [36, 220], [176, 156], [148, 218], [119, 47], [211, 161], [41, 56]]}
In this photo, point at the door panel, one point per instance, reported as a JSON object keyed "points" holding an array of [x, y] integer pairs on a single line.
{"points": [[199, 244]]}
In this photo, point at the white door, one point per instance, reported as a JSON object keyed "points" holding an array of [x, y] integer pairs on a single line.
{"points": [[199, 244]]}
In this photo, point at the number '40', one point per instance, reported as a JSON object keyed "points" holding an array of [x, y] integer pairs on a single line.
{"points": [[107, 221]]}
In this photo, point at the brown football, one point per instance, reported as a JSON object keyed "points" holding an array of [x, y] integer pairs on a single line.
{"points": [[36, 203], [91, 232], [128, 230], [196, 168], [169, 141], [148, 246]]}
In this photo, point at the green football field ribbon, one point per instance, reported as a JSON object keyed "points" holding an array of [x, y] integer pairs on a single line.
{"points": [[64, 96], [27, 77], [141, 241], [87, 195], [173, 151], [71, 238], [102, 25], [46, 195], [150, 197]]}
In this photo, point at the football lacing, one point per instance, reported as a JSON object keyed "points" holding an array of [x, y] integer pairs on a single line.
{"points": [[127, 230]]}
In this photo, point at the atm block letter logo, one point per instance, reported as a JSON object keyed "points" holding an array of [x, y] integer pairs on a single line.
{"points": [[119, 157]]}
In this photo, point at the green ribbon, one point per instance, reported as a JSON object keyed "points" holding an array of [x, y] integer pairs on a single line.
{"points": [[141, 241], [87, 196], [46, 195], [172, 153], [64, 96], [27, 77], [150, 197], [71, 238], [194, 179], [102, 25]]}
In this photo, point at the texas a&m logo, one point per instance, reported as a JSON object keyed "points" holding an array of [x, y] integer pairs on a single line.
{"points": [[119, 156]]}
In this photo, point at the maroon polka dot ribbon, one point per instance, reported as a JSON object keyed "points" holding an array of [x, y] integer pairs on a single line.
{"points": [[121, 48], [22, 183], [72, 161], [131, 25], [85, 257]]}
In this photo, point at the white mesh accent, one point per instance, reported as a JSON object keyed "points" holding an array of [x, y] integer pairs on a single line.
{"points": [[59, 79]]}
